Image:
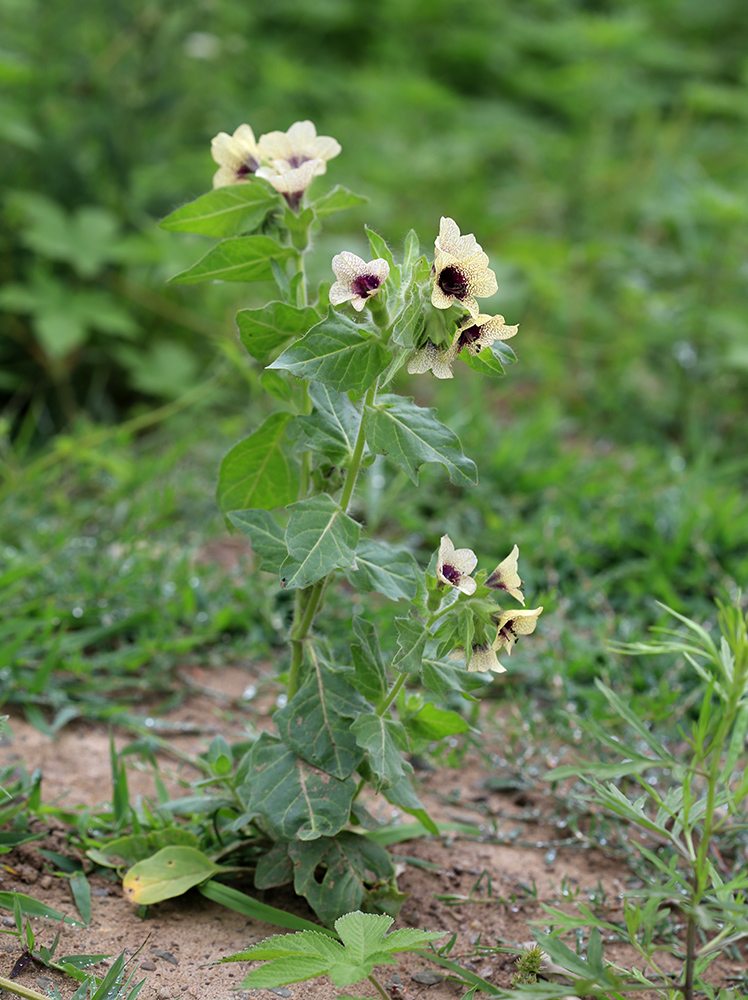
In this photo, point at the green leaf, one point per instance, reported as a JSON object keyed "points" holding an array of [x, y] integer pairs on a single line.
{"points": [[487, 362], [235, 208], [401, 794], [138, 846], [259, 471], [337, 200], [264, 331], [370, 677], [410, 435], [316, 723], [82, 895], [412, 635], [412, 249], [337, 353], [333, 426], [432, 723], [240, 258], [375, 735], [170, 872], [382, 567], [354, 874], [443, 678], [267, 537], [320, 538], [294, 798], [28, 907], [379, 249], [364, 945], [252, 908], [274, 868]]}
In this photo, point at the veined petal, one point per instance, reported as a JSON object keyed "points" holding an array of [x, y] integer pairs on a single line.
{"points": [[505, 576], [237, 156], [431, 358], [299, 144], [455, 565], [449, 239], [357, 279], [484, 658]]}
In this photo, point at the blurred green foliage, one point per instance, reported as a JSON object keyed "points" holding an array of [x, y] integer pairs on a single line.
{"points": [[594, 147]]}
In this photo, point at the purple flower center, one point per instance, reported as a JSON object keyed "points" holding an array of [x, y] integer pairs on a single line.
{"points": [[450, 573], [453, 282], [508, 633], [365, 285], [468, 337], [248, 167], [296, 161]]}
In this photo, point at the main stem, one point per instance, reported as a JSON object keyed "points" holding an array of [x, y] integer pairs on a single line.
{"points": [[309, 599]]}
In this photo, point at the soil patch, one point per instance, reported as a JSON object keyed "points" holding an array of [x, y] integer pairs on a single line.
{"points": [[482, 889]]}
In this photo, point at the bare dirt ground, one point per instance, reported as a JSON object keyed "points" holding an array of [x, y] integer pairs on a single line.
{"points": [[536, 859]]}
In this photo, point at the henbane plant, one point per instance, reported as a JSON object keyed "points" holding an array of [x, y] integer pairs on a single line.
{"points": [[331, 358]]}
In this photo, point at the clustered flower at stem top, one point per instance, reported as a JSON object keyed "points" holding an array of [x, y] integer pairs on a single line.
{"points": [[451, 323]]}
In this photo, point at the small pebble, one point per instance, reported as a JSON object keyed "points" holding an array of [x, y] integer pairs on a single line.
{"points": [[147, 966], [427, 978]]}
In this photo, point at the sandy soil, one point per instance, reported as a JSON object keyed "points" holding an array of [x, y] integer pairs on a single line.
{"points": [[535, 860]]}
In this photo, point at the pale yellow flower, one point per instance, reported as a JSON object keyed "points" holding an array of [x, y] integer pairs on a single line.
{"points": [[460, 270], [301, 144], [484, 658], [434, 359], [454, 566], [505, 576], [478, 332], [357, 280], [512, 624], [449, 240], [237, 156], [292, 183]]}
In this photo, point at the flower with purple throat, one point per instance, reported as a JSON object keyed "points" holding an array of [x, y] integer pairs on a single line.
{"points": [[454, 566], [460, 270], [478, 332], [357, 279], [512, 624], [238, 156], [505, 576]]}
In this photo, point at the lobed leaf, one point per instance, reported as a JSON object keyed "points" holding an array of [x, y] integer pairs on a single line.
{"points": [[432, 723], [316, 723], [384, 568], [295, 799], [264, 331], [333, 427], [374, 734], [260, 471], [267, 537], [370, 677], [240, 258], [410, 436], [336, 200], [354, 867], [337, 353], [402, 794], [236, 208], [412, 635], [320, 538]]}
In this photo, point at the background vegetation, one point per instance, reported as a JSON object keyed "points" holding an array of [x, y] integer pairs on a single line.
{"points": [[598, 152]]}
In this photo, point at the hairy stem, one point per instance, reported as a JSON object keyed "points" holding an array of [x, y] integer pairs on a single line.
{"points": [[379, 988], [308, 601], [385, 703]]}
